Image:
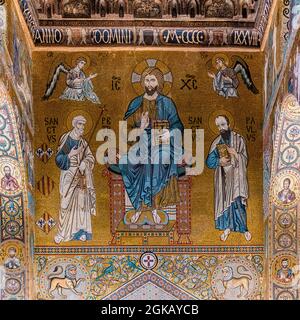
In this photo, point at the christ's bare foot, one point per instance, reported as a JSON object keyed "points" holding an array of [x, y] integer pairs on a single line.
{"points": [[156, 217], [135, 217], [248, 235], [225, 235]]}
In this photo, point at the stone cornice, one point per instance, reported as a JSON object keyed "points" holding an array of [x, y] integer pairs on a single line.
{"points": [[189, 32]]}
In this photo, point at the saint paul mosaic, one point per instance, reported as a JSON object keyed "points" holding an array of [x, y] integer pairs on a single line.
{"points": [[149, 149]]}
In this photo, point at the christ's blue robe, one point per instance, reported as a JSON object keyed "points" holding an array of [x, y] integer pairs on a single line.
{"points": [[143, 181], [235, 216]]}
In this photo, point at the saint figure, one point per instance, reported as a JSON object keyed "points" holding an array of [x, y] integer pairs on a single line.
{"points": [[8, 182], [77, 194], [286, 195], [228, 157]]}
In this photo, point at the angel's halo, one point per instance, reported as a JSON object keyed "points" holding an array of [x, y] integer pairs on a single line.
{"points": [[222, 56], [81, 56]]}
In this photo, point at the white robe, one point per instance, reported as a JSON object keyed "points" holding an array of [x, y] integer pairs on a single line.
{"points": [[77, 204], [233, 183]]}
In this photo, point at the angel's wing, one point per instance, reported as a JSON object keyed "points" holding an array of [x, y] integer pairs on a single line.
{"points": [[241, 67], [55, 77]]}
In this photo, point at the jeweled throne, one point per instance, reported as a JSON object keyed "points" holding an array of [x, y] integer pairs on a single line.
{"points": [[176, 232]]}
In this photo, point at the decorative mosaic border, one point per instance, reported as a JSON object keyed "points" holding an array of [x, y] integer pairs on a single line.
{"points": [[43, 250], [283, 226], [17, 221], [155, 279], [133, 276]]}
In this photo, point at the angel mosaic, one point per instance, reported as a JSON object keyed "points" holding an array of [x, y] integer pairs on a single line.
{"points": [[79, 87], [225, 77]]}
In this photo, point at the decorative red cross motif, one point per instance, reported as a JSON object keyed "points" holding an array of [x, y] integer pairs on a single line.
{"points": [[148, 260]]}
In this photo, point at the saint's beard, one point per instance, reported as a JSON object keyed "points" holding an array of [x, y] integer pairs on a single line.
{"points": [[151, 91], [225, 134]]}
